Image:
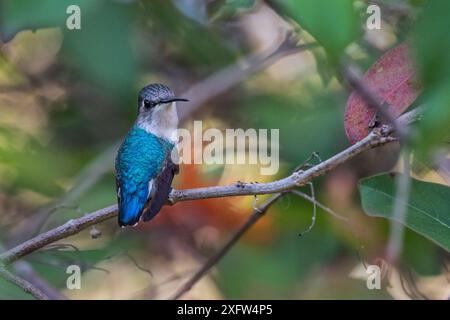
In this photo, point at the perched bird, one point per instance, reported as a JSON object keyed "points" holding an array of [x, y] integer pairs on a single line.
{"points": [[144, 167]]}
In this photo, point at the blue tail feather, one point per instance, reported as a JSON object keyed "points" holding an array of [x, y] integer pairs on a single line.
{"points": [[131, 207], [130, 211]]}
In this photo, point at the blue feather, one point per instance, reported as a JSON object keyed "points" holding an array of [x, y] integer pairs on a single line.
{"points": [[139, 160], [131, 205]]}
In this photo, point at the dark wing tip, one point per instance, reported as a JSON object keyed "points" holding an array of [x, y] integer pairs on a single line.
{"points": [[155, 206], [163, 188]]}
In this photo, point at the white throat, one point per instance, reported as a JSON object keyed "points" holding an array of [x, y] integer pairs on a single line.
{"points": [[162, 121]]}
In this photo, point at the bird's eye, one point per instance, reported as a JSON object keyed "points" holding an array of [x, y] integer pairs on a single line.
{"points": [[148, 104]]}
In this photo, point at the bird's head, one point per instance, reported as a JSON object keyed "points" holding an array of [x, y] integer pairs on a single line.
{"points": [[156, 107]]}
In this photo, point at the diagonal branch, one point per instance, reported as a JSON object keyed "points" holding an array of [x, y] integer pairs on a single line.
{"points": [[23, 284], [396, 233]]}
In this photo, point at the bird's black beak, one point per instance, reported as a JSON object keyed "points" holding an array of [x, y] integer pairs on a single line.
{"points": [[174, 99]]}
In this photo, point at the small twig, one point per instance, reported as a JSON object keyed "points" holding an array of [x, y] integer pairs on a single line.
{"points": [[50, 213], [256, 215], [313, 217], [319, 204], [69, 228], [403, 184], [62, 247], [306, 163], [25, 270], [133, 260], [23, 284]]}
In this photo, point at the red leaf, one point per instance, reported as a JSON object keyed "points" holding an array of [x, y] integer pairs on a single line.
{"points": [[391, 78]]}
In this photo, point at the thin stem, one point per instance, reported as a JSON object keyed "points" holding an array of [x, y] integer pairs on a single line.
{"points": [[319, 204], [403, 185]]}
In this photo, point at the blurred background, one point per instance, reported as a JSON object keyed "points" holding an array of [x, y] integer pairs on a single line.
{"points": [[68, 97]]}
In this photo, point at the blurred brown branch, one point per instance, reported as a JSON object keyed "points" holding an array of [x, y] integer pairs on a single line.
{"points": [[22, 283], [25, 270]]}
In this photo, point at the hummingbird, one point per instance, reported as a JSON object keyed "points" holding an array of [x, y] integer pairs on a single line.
{"points": [[144, 165]]}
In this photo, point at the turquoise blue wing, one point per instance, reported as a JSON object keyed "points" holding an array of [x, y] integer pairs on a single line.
{"points": [[138, 163]]}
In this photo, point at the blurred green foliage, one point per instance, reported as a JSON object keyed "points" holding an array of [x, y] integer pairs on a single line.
{"points": [[432, 44], [334, 24]]}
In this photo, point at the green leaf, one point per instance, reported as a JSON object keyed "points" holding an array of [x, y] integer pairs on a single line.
{"points": [[432, 46], [101, 51], [433, 127], [29, 14], [428, 207], [432, 42], [333, 23]]}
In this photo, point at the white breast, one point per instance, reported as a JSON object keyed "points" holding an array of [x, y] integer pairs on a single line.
{"points": [[162, 122]]}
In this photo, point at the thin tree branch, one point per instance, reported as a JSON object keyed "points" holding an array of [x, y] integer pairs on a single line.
{"points": [[403, 184], [23, 284], [24, 270], [257, 214], [297, 179], [377, 137], [69, 228]]}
